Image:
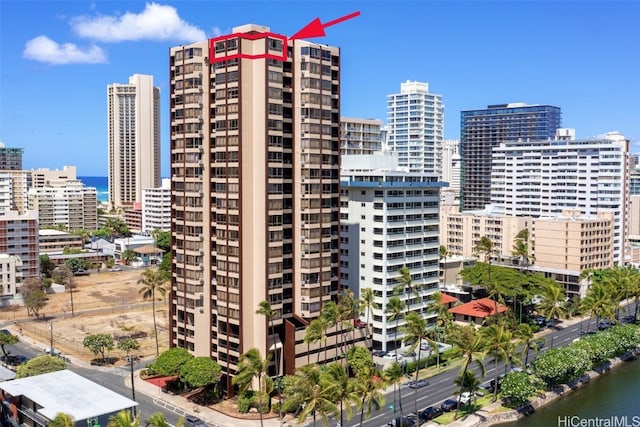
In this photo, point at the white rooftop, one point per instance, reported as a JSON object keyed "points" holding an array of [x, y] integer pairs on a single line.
{"points": [[67, 392]]}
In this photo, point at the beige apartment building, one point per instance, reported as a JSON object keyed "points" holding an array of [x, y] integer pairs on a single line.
{"points": [[574, 242], [65, 202], [360, 136], [460, 232], [255, 122], [133, 133]]}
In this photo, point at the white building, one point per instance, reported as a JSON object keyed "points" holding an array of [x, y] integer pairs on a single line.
{"points": [[543, 178], [156, 208], [416, 127], [134, 139], [389, 219], [65, 202], [360, 136], [10, 278]]}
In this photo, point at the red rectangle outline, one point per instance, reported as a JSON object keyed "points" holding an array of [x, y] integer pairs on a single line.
{"points": [[212, 42]]}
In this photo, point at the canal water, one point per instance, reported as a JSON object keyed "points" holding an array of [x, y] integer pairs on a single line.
{"points": [[613, 398]]}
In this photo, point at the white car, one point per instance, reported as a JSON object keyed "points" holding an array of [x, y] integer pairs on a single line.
{"points": [[392, 356], [465, 398]]}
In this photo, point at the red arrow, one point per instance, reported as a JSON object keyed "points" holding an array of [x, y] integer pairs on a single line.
{"points": [[316, 28]]}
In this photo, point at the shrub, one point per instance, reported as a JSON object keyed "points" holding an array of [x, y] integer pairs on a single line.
{"points": [[244, 401]]}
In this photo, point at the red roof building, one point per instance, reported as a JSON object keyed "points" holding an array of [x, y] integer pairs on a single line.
{"points": [[476, 311]]}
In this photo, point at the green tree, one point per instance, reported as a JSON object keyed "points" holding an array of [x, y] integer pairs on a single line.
{"points": [[123, 418], [162, 239], [443, 252], [169, 362], [157, 419], [623, 282], [252, 366], [524, 334], [7, 339], [359, 359], [75, 264], [200, 371], [46, 265], [63, 420], [406, 286], [152, 282], [517, 388], [415, 333], [99, 344], [128, 345], [33, 296], [129, 255], [330, 315], [485, 246], [165, 265], [467, 382], [520, 247], [40, 365], [348, 310], [314, 333]]}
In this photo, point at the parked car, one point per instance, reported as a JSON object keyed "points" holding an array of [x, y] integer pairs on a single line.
{"points": [[14, 360], [379, 353], [417, 384], [465, 398], [392, 356], [113, 269], [5, 332], [81, 272], [192, 421], [430, 413], [449, 405], [539, 343], [604, 324], [401, 422], [628, 319], [359, 323]]}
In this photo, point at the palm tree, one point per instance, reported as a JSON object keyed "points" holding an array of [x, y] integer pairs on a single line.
{"points": [[62, 420], [123, 418], [393, 375], [406, 284], [472, 346], [371, 388], [599, 301], [313, 395], [497, 342], [444, 253], [315, 332], [468, 382], [251, 365], [520, 247], [395, 310], [415, 332], [485, 246], [264, 308], [443, 320], [345, 390], [623, 281], [330, 314], [368, 304], [157, 419], [524, 334], [348, 308], [152, 282], [552, 304]]}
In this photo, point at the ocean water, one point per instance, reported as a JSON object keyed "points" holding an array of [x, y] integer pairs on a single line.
{"points": [[101, 183]]}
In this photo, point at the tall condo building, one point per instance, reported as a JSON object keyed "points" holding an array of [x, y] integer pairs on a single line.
{"points": [[19, 237], [133, 128], [481, 130], [389, 220], [65, 202], [10, 158], [543, 178], [255, 123], [156, 208], [415, 118]]}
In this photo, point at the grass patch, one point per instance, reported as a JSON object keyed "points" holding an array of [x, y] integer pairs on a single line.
{"points": [[479, 403]]}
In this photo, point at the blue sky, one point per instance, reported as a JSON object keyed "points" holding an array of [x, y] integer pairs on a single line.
{"points": [[57, 58]]}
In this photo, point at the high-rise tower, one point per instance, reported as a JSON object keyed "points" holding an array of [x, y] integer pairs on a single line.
{"points": [[133, 139], [481, 130], [255, 123], [416, 127]]}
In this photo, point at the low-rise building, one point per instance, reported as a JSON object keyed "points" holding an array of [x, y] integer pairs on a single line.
{"points": [[10, 278], [476, 311], [19, 237], [55, 241], [35, 401]]}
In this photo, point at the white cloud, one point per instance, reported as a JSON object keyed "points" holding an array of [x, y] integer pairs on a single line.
{"points": [[43, 49], [155, 22]]}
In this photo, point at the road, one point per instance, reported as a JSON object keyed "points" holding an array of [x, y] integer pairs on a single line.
{"points": [[441, 386]]}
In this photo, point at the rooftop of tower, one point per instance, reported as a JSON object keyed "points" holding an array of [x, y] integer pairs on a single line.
{"points": [[251, 29]]}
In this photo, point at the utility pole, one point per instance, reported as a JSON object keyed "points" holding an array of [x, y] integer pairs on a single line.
{"points": [[133, 387], [51, 350]]}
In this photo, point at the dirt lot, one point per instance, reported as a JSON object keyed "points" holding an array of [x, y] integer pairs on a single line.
{"points": [[116, 295]]}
